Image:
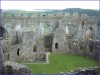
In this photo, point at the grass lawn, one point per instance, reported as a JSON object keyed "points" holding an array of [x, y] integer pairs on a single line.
{"points": [[61, 63]]}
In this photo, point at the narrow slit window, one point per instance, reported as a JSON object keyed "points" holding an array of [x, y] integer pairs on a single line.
{"points": [[18, 51], [82, 24]]}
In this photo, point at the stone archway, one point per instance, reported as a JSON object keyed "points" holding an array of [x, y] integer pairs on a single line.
{"points": [[56, 45], [4, 42], [48, 43], [89, 34], [3, 33]]}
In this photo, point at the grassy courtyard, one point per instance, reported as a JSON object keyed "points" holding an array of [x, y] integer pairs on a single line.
{"points": [[61, 63]]}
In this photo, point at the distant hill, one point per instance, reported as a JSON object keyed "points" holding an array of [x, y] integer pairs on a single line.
{"points": [[82, 11], [89, 12]]}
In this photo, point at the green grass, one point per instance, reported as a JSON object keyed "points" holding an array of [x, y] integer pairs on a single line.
{"points": [[62, 63]]}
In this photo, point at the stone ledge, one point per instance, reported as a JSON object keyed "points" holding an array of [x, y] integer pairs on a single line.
{"points": [[15, 68]]}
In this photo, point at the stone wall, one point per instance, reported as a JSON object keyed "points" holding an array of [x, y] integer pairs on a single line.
{"points": [[15, 68], [87, 48], [71, 34], [59, 44]]}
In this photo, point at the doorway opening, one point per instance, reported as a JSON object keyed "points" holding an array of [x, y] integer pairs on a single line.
{"points": [[56, 45], [34, 48]]}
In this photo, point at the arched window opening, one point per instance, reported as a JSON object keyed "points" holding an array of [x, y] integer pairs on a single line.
{"points": [[82, 24], [56, 45], [91, 46], [34, 48], [3, 51], [44, 15], [18, 50], [69, 46], [91, 28], [8, 56]]}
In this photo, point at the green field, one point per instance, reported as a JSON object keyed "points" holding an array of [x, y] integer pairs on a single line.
{"points": [[62, 63]]}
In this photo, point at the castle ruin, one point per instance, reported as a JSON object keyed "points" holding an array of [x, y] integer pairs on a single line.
{"points": [[28, 38]]}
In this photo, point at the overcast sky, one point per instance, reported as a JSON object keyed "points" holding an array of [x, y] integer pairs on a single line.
{"points": [[30, 5]]}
